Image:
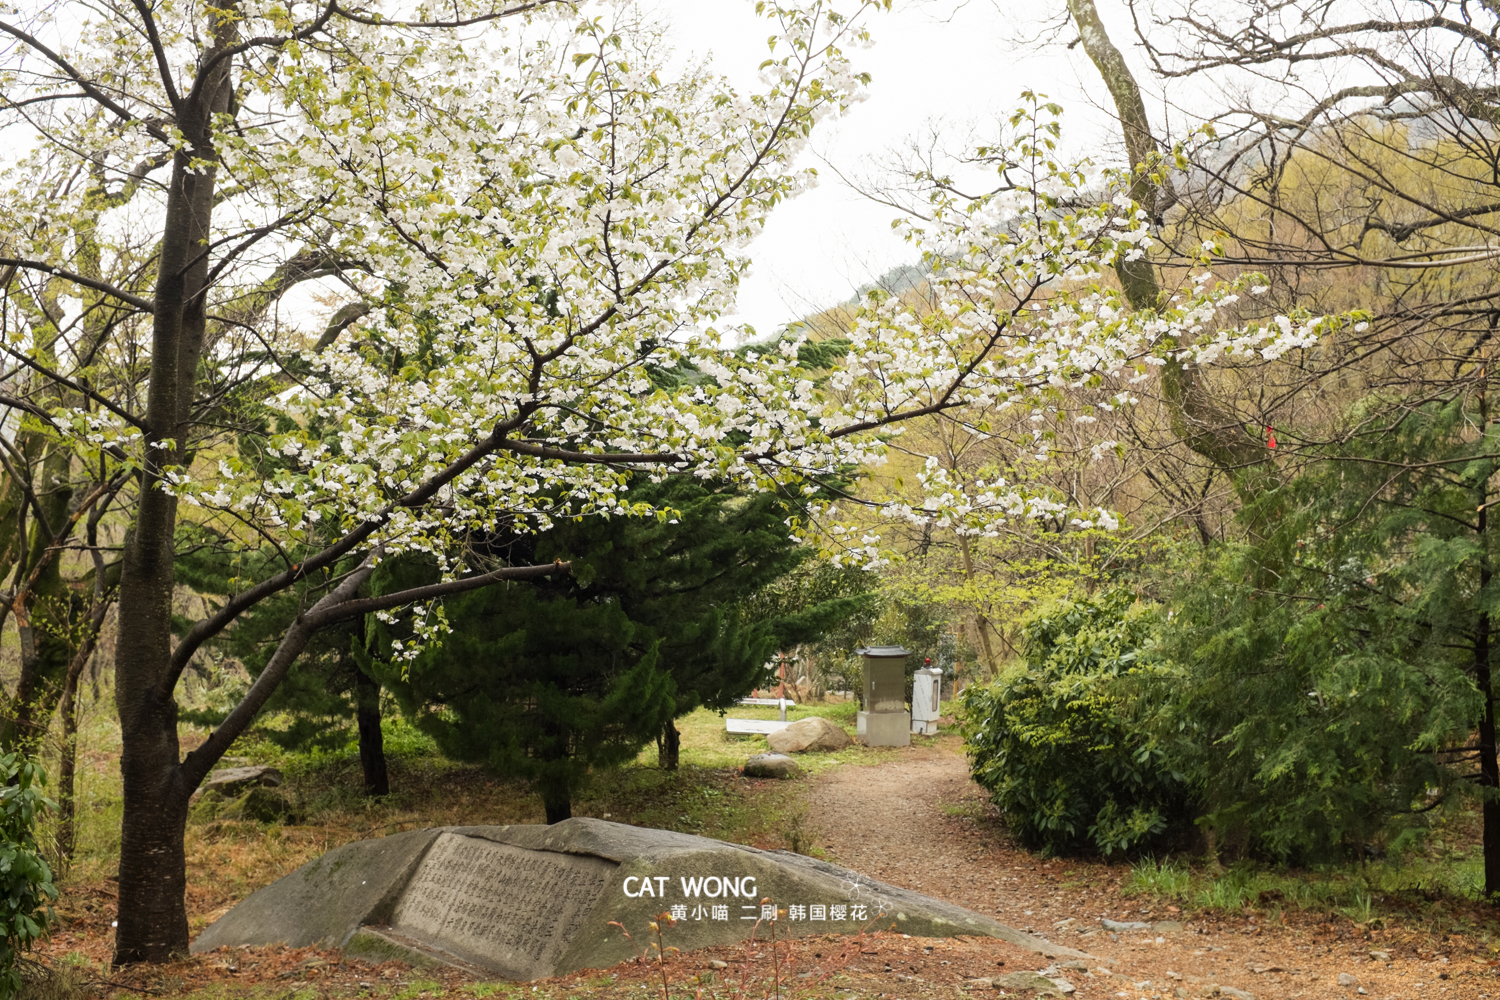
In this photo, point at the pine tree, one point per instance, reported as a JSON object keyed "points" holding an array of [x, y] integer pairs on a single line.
{"points": [[547, 681]]}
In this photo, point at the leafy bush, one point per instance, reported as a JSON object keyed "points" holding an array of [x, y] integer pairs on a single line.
{"points": [[26, 889], [1057, 742]]}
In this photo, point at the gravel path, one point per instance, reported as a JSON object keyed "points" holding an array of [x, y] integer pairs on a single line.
{"points": [[920, 823]]}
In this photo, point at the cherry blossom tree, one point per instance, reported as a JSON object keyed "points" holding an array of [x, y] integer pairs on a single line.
{"points": [[529, 221]]}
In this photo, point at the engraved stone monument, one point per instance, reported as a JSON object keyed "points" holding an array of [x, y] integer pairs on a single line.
{"points": [[528, 902]]}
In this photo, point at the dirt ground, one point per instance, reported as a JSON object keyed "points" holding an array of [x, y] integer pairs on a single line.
{"points": [[917, 821], [921, 823]]}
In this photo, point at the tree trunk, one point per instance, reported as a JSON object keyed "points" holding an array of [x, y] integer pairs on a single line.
{"points": [[557, 802], [1197, 419], [1489, 764], [980, 622], [46, 611], [371, 740], [669, 747], [153, 923], [67, 766], [153, 915]]}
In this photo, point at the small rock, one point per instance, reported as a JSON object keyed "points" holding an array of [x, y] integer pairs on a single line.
{"points": [[1347, 980], [1063, 925], [1381, 956], [1033, 981], [232, 780], [1075, 966], [1179, 992], [714, 963], [1173, 975], [1124, 925], [1361, 991], [1063, 985], [1230, 991], [261, 805], [811, 733], [771, 765]]}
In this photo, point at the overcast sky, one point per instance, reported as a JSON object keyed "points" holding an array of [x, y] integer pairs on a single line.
{"points": [[934, 61]]}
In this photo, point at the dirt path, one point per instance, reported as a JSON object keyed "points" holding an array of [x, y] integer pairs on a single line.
{"points": [[920, 823]]}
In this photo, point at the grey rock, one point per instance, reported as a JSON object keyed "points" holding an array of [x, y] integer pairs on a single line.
{"points": [[1075, 966], [323, 903], [1380, 956], [1033, 981], [230, 781], [1124, 925], [1345, 979], [715, 963], [812, 733], [1234, 994], [771, 765], [261, 805], [525, 902]]}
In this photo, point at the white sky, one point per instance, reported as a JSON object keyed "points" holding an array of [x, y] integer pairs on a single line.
{"points": [[945, 61]]}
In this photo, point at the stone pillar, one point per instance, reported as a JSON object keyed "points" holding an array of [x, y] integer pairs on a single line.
{"points": [[926, 700], [885, 722]]}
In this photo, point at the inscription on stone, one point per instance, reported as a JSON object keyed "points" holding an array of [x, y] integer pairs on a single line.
{"points": [[502, 906]]}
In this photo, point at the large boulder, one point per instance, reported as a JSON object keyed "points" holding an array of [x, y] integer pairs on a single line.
{"points": [[771, 765], [528, 902], [811, 733]]}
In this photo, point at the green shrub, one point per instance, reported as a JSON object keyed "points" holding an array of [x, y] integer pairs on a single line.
{"points": [[1058, 743], [26, 889]]}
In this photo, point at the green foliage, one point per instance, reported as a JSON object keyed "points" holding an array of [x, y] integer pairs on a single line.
{"points": [[1057, 741], [316, 701], [1330, 666], [659, 617], [26, 889], [538, 686]]}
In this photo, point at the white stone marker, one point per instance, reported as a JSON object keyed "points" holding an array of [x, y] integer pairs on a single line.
{"points": [[926, 700]]}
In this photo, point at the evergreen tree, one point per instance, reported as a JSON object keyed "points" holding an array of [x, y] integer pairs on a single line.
{"points": [[547, 681], [1336, 672]]}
